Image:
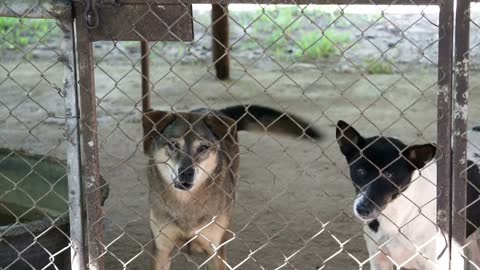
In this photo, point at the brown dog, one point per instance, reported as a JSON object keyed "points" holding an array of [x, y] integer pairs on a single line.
{"points": [[194, 162]]}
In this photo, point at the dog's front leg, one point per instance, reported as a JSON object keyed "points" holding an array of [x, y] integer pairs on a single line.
{"points": [[475, 254], [474, 250], [378, 260], [217, 262], [213, 241], [161, 260], [165, 239]]}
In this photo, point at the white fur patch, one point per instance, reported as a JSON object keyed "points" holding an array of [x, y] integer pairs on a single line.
{"points": [[407, 232], [167, 168]]}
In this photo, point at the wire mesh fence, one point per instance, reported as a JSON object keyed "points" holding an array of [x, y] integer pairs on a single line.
{"points": [[34, 229], [267, 229], [226, 147]]}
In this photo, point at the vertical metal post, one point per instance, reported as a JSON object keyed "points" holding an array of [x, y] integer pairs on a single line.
{"points": [[444, 124], [90, 149], [460, 115], [145, 51], [220, 42], [77, 254]]}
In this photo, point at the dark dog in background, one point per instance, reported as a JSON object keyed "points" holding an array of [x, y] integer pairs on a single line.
{"points": [[194, 163]]}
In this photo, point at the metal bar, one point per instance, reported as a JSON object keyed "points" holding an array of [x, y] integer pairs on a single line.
{"points": [[90, 149], [460, 116], [77, 254], [39, 9], [146, 102], [145, 51], [220, 42], [151, 23], [444, 124]]}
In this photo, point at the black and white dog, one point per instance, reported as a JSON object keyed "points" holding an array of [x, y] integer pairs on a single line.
{"points": [[396, 199]]}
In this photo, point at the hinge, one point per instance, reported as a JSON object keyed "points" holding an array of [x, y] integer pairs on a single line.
{"points": [[91, 13]]}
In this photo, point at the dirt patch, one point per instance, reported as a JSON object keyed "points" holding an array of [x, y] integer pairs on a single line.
{"points": [[294, 200]]}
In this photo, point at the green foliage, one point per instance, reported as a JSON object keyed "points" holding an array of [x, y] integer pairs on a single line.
{"points": [[262, 20], [20, 33], [314, 45], [378, 67], [286, 33]]}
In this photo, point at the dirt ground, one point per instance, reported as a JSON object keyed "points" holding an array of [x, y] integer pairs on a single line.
{"points": [[294, 200]]}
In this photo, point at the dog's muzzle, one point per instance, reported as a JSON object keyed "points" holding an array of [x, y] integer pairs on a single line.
{"points": [[364, 209], [185, 178]]}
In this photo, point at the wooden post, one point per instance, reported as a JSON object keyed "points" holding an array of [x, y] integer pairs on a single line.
{"points": [[220, 44]]}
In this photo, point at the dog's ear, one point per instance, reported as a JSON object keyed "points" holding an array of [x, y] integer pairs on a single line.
{"points": [[419, 155], [223, 127], [348, 138], [154, 122]]}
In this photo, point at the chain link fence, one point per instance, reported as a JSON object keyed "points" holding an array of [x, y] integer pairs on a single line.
{"points": [[34, 198], [160, 119]]}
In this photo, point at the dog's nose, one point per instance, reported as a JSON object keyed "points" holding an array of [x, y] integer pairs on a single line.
{"points": [[363, 210], [186, 174]]}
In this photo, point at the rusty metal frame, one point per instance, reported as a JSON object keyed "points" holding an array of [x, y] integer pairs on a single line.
{"points": [[145, 54], [460, 117], [90, 149], [75, 202], [449, 164], [444, 118], [85, 38], [166, 22]]}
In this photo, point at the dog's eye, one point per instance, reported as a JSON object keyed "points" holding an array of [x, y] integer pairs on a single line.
{"points": [[202, 148], [360, 172], [173, 145], [387, 174]]}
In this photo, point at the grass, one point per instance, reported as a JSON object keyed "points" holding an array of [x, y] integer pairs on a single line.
{"points": [[378, 67], [286, 33], [314, 45], [20, 33]]}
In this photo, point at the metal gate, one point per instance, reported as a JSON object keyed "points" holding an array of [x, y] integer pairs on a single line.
{"points": [[148, 21]]}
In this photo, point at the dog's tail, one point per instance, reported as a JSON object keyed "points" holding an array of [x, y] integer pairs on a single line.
{"points": [[259, 118]]}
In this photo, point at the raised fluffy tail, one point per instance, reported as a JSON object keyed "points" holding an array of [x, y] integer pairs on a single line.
{"points": [[259, 118]]}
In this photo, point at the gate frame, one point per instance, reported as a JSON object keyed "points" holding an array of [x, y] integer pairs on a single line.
{"points": [[62, 12], [449, 172], [452, 108], [459, 125]]}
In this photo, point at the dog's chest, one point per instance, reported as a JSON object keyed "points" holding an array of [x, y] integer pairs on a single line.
{"points": [[402, 243], [407, 226]]}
